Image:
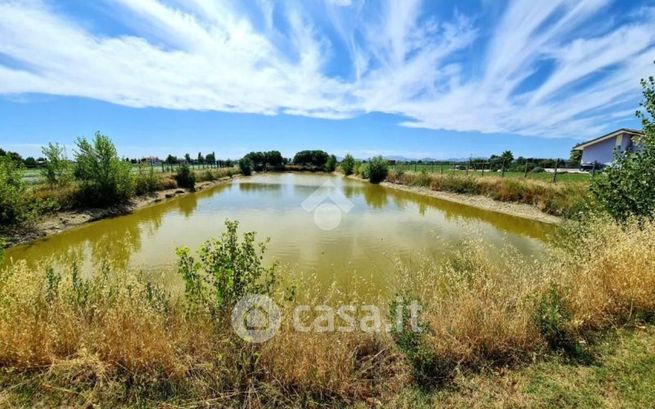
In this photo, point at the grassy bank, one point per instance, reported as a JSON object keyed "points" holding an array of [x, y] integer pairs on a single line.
{"points": [[68, 197], [115, 339], [563, 176], [622, 374], [562, 199]]}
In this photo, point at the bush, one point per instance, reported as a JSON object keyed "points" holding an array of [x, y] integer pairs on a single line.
{"points": [[361, 169], [428, 369], [331, 164], [378, 168], [15, 205], [146, 180], [167, 182], [104, 178], [538, 169], [348, 165], [185, 177], [627, 187], [208, 176], [57, 169], [227, 269], [552, 316], [245, 165]]}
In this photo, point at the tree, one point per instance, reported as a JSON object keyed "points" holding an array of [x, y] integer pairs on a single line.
{"points": [[30, 162], [274, 159], [348, 164], [185, 177], [201, 159], [378, 168], [506, 159], [12, 156], [627, 187], [171, 160], [331, 164], [315, 158], [265, 160], [210, 158], [187, 158], [575, 158], [245, 164], [105, 179], [57, 167], [13, 193]]}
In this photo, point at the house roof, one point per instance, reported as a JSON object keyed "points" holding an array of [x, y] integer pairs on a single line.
{"points": [[610, 135]]}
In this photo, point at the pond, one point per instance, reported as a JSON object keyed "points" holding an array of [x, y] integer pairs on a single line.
{"points": [[334, 228]]}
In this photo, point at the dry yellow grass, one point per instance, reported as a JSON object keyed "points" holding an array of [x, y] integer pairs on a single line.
{"points": [[96, 336], [561, 199]]}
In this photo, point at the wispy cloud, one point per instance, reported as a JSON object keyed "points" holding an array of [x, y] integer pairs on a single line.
{"points": [[546, 68]]}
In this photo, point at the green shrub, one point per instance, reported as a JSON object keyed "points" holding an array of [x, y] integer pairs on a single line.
{"points": [[331, 164], [104, 178], [209, 176], [146, 180], [552, 317], [538, 169], [348, 165], [17, 206], [226, 270], [245, 165], [57, 168], [627, 188], [428, 369], [185, 177], [378, 169]]}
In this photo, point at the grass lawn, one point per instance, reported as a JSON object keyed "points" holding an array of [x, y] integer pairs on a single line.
{"points": [[621, 374]]}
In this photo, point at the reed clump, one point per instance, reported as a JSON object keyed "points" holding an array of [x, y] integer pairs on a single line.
{"points": [[563, 199], [115, 338], [215, 174]]}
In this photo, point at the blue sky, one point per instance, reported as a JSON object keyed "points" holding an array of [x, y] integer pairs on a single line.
{"points": [[442, 79]]}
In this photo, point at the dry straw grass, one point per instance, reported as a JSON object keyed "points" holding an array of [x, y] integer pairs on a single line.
{"points": [[562, 199], [116, 339]]}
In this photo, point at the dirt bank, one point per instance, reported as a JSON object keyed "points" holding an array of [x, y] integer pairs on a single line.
{"points": [[66, 220], [481, 202]]}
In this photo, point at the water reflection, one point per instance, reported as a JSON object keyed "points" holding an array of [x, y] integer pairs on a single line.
{"points": [[383, 225]]}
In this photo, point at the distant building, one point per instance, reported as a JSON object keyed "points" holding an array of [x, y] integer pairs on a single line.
{"points": [[600, 151]]}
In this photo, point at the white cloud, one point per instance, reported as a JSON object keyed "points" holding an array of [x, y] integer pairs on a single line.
{"points": [[212, 55]]}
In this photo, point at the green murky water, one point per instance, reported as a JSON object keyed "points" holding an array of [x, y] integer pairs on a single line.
{"points": [[335, 228]]}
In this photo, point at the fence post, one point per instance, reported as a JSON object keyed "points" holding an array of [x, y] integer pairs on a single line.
{"points": [[441, 167], [525, 175], [593, 170], [555, 173]]}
